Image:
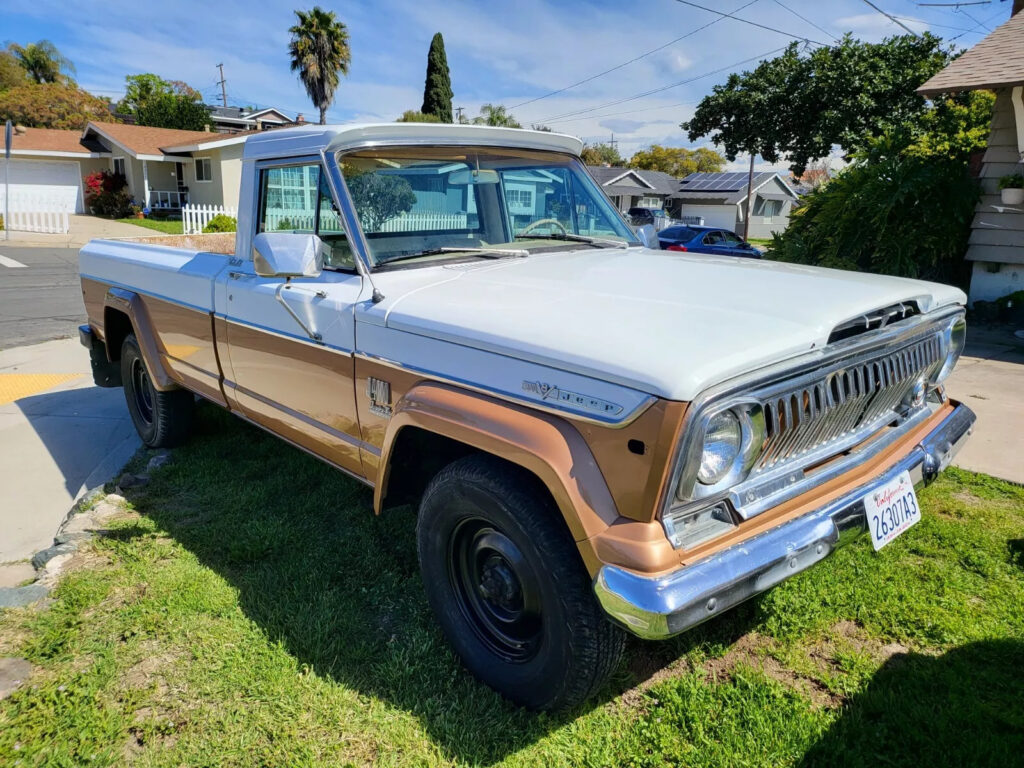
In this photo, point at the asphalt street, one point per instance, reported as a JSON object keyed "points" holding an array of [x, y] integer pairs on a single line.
{"points": [[41, 300]]}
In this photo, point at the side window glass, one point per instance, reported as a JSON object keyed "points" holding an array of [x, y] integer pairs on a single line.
{"points": [[296, 198], [712, 238], [730, 238]]}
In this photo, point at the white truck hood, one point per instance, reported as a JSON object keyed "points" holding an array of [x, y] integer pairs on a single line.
{"points": [[670, 324]]}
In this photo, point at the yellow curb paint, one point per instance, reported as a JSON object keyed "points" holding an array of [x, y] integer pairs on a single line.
{"points": [[14, 386]]}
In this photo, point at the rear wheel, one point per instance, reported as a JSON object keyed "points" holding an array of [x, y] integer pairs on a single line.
{"points": [[162, 419], [506, 583]]}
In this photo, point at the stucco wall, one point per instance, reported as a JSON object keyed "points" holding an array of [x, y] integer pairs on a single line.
{"points": [[996, 244], [231, 174]]}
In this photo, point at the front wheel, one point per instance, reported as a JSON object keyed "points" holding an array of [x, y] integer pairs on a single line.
{"points": [[162, 419], [505, 580]]}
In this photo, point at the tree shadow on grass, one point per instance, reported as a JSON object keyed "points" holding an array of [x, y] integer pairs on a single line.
{"points": [[964, 708], [341, 590], [1017, 552]]}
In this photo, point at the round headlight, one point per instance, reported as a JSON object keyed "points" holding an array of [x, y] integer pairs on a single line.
{"points": [[722, 441], [955, 337]]}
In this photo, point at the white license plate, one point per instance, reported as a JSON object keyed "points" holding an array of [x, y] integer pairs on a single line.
{"points": [[891, 509]]}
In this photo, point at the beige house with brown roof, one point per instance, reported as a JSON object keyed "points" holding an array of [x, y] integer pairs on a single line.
{"points": [[164, 168], [996, 246]]}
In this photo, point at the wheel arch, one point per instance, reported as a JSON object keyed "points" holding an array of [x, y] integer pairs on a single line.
{"points": [[452, 422], [124, 312]]}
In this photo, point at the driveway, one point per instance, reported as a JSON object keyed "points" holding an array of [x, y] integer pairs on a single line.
{"points": [[990, 380], [82, 229]]}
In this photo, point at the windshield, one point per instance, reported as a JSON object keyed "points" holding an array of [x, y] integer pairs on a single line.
{"points": [[438, 203]]}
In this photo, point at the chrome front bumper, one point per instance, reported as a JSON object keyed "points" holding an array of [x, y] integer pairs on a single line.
{"points": [[655, 608]]}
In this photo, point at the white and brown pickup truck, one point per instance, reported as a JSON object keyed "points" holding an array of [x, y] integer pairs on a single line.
{"points": [[598, 435]]}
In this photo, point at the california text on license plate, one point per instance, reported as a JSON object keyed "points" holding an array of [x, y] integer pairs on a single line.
{"points": [[891, 509]]}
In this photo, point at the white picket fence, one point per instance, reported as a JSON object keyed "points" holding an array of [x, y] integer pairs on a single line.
{"points": [[37, 213], [194, 218], [416, 221]]}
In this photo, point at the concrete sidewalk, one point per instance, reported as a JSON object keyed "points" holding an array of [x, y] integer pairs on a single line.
{"points": [[59, 437], [989, 379], [82, 229]]}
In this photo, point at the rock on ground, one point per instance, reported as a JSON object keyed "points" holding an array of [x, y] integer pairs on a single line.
{"points": [[17, 597], [13, 674], [16, 574]]}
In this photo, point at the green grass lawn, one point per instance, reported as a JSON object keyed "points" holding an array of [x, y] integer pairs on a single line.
{"points": [[253, 611], [167, 226]]}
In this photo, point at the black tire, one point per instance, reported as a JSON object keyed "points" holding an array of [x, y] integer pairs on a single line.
{"points": [[162, 419], [507, 585]]}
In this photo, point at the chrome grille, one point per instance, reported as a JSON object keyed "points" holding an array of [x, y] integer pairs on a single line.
{"points": [[848, 401]]}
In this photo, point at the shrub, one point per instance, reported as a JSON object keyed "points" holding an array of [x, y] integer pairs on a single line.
{"points": [[284, 224], [900, 215], [107, 194], [221, 223], [1, 222], [1012, 181]]}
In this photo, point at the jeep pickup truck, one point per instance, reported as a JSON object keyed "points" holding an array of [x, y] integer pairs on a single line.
{"points": [[598, 435]]}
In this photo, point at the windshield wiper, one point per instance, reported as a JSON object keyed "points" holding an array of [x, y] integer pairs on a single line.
{"points": [[599, 242], [487, 253]]}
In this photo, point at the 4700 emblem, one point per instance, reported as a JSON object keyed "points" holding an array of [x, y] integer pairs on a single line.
{"points": [[586, 402]]}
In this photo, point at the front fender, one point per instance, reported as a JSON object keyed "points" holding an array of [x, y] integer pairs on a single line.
{"points": [[549, 447]]}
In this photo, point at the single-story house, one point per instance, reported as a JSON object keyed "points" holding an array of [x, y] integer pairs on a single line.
{"points": [[164, 168], [235, 119], [719, 200], [996, 244], [634, 188]]}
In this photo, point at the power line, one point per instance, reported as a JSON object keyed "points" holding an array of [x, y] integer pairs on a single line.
{"points": [[627, 112], [976, 22], [971, 31], [892, 18], [560, 118], [804, 18], [627, 63], [748, 21]]}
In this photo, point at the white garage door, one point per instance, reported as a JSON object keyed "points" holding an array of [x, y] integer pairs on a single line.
{"points": [[56, 181]]}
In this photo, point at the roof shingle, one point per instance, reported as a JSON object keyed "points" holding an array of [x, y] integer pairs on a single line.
{"points": [[996, 62], [145, 140], [50, 140]]}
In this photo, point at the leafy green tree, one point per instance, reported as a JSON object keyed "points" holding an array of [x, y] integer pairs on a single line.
{"points": [[412, 116], [905, 205], [319, 53], [160, 103], [53, 105], [437, 91], [12, 74], [601, 154], [677, 161], [541, 127], [43, 62], [799, 106], [496, 114], [379, 197]]}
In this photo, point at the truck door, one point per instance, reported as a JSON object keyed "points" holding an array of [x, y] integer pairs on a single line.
{"points": [[296, 379]]}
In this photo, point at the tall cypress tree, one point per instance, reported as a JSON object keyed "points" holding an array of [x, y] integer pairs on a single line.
{"points": [[437, 92]]}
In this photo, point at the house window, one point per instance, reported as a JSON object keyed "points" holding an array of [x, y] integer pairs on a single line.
{"points": [[767, 208], [119, 166], [204, 169], [650, 202], [519, 198]]}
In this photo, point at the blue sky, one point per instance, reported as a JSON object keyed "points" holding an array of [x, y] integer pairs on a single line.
{"points": [[500, 52]]}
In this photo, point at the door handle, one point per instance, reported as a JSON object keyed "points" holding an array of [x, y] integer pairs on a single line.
{"points": [[240, 275]]}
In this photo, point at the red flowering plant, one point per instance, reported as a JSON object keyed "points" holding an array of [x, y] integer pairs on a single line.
{"points": [[107, 194]]}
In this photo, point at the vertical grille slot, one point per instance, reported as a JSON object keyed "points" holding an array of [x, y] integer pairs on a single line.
{"points": [[843, 402]]}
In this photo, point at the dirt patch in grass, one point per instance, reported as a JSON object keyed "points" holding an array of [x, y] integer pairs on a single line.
{"points": [[854, 636], [150, 669], [754, 651], [648, 665]]}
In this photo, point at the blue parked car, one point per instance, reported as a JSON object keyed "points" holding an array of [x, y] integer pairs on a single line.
{"points": [[720, 242]]}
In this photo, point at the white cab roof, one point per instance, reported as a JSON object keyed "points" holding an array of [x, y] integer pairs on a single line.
{"points": [[310, 139]]}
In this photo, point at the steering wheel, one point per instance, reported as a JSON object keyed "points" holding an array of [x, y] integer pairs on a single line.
{"points": [[540, 222]]}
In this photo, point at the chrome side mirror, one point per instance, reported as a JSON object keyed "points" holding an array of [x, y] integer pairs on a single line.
{"points": [[648, 235], [286, 254]]}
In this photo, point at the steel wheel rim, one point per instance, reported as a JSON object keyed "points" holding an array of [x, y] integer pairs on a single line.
{"points": [[496, 590], [142, 388]]}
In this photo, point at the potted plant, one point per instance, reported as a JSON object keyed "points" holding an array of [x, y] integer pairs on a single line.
{"points": [[137, 212], [1011, 189]]}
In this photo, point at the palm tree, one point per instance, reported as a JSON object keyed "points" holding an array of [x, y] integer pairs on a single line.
{"points": [[319, 51], [496, 114], [42, 61]]}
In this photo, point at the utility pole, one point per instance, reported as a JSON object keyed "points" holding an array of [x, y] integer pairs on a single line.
{"points": [[613, 143], [458, 114], [223, 87], [750, 194]]}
